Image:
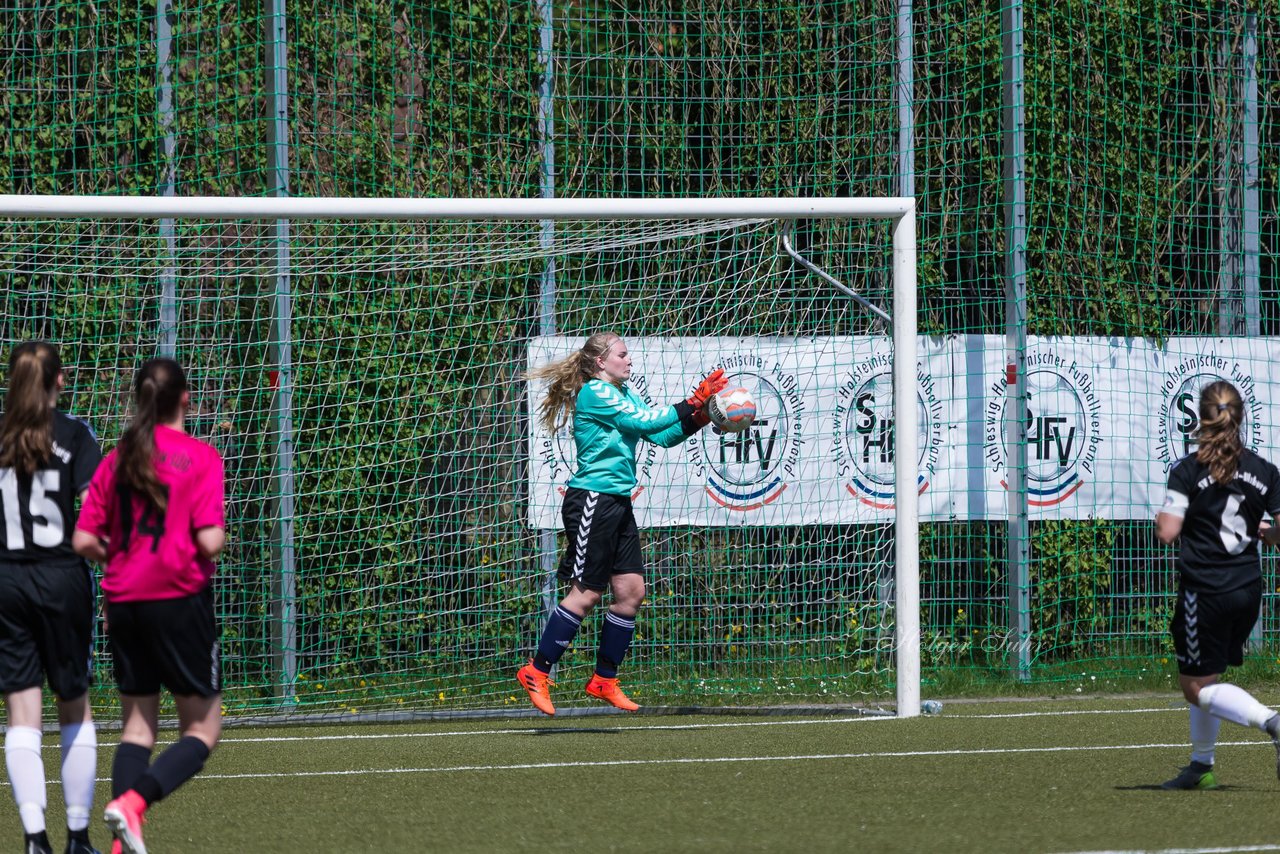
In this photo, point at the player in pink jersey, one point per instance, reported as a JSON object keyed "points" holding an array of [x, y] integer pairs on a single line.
{"points": [[154, 515]]}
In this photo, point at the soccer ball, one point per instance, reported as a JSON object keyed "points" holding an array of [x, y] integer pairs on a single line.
{"points": [[732, 410]]}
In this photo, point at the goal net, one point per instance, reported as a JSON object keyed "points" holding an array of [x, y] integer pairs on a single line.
{"points": [[393, 510]]}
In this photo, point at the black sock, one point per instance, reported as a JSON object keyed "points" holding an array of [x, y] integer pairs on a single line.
{"points": [[130, 763], [615, 639], [178, 764], [559, 632], [82, 834], [41, 838]]}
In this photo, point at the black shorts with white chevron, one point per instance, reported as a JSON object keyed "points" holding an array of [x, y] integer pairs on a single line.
{"points": [[1210, 630], [602, 539]]}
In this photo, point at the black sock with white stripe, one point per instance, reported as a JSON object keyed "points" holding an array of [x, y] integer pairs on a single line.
{"points": [[561, 628], [615, 639]]}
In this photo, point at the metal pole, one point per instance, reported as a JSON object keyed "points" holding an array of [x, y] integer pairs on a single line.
{"points": [[906, 102], [1251, 238], [1016, 402], [283, 556], [547, 290], [1250, 225], [1231, 320], [168, 343], [906, 576]]}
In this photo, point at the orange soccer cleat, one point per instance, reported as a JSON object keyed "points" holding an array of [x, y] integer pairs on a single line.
{"points": [[607, 689], [538, 684]]}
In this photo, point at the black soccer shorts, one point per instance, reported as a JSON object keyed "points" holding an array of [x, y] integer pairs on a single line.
{"points": [[166, 642], [46, 626], [1210, 630], [602, 538]]}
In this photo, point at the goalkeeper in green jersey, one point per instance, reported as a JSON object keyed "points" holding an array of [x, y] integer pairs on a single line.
{"points": [[602, 551]]}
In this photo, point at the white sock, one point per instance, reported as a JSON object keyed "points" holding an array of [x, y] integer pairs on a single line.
{"points": [[1233, 703], [1204, 735], [26, 775], [79, 770]]}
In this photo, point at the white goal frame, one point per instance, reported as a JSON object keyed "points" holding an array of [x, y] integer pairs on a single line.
{"points": [[900, 212]]}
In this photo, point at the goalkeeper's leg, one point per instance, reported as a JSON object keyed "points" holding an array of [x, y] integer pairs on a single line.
{"points": [[562, 626], [616, 632]]}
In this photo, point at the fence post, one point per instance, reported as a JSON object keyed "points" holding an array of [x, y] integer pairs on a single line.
{"points": [[284, 642]]}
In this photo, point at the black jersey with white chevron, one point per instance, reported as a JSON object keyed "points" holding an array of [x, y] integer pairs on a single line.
{"points": [[39, 511], [1219, 541]]}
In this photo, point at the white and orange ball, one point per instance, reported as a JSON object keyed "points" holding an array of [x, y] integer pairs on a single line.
{"points": [[732, 409]]}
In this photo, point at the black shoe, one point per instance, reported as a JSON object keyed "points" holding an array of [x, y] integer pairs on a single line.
{"points": [[36, 843], [1197, 775], [80, 846]]}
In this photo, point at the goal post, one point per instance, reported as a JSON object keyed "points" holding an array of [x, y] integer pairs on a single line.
{"points": [[387, 480]]}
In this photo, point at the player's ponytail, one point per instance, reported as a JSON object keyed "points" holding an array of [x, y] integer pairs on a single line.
{"points": [[1221, 414], [26, 431], [567, 377], [157, 393]]}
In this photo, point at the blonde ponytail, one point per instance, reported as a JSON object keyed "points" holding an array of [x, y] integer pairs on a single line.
{"points": [[568, 376]]}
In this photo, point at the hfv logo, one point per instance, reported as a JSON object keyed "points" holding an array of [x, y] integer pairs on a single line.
{"points": [[864, 429], [748, 470], [755, 446], [1063, 421], [1052, 438]]}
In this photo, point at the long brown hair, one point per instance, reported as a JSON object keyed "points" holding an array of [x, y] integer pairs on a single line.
{"points": [[157, 394], [26, 432], [568, 376], [1221, 414]]}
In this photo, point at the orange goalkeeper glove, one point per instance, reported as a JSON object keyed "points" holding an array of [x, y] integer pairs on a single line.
{"points": [[714, 382]]}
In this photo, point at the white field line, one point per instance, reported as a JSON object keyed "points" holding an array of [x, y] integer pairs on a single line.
{"points": [[1215, 850], [570, 724], [710, 760]]}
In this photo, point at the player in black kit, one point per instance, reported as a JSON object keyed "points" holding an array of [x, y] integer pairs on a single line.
{"points": [[46, 593], [1217, 500]]}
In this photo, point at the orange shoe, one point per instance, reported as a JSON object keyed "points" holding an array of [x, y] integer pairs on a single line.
{"points": [[608, 690], [538, 684]]}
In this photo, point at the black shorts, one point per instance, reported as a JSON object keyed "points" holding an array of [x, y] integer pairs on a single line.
{"points": [[602, 538], [166, 642], [46, 627], [1210, 630]]}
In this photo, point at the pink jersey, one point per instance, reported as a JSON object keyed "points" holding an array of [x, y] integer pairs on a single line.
{"points": [[153, 555]]}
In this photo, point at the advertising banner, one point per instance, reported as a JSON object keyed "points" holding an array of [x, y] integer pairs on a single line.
{"points": [[1105, 420]]}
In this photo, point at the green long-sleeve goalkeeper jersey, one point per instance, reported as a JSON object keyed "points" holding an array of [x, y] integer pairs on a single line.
{"points": [[608, 422]]}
